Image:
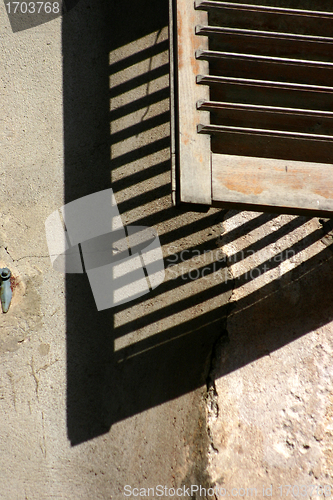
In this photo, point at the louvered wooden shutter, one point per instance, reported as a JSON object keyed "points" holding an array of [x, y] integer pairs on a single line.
{"points": [[252, 88]]}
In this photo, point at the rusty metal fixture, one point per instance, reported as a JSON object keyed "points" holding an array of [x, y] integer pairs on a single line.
{"points": [[5, 289]]}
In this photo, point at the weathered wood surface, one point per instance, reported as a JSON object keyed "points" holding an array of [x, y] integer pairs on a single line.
{"points": [[193, 149], [271, 182], [172, 39]]}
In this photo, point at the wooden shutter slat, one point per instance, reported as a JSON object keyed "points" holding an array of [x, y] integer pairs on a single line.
{"points": [[217, 30], [212, 4], [215, 105], [301, 87], [213, 54], [216, 129]]}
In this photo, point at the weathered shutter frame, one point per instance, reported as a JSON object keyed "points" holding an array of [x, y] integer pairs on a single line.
{"points": [[193, 184]]}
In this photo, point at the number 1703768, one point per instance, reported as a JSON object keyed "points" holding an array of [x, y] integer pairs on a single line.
{"points": [[33, 7]]}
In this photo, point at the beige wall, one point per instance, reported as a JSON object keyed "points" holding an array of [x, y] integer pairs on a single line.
{"points": [[89, 401]]}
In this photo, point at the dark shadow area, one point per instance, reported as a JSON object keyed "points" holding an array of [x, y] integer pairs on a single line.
{"points": [[104, 384], [241, 60]]}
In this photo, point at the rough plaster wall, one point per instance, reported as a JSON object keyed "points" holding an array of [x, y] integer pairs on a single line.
{"points": [[269, 406], [32, 333], [160, 436], [269, 385]]}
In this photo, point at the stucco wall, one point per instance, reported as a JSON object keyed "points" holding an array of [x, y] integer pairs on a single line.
{"points": [[269, 405], [93, 401]]}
